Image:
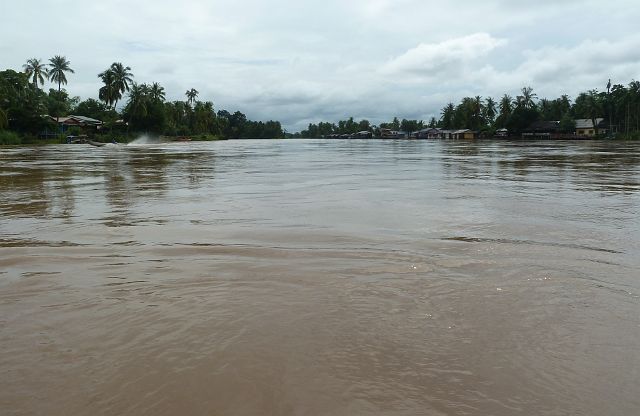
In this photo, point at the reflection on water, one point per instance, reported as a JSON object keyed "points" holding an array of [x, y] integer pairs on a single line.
{"points": [[320, 277]]}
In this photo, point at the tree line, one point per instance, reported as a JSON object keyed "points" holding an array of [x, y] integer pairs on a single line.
{"points": [[619, 106], [24, 102]]}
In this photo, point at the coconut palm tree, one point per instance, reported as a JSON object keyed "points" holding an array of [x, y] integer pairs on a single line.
{"points": [[119, 77], [565, 104], [191, 95], [138, 99], [526, 99], [490, 110], [506, 108], [506, 105], [36, 69], [58, 65], [156, 92], [123, 76], [478, 109], [447, 116], [108, 92]]}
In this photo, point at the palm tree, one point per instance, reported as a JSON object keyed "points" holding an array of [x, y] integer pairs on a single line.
{"points": [[123, 76], [593, 108], [527, 97], [108, 92], [138, 97], [565, 104], [191, 95], [506, 105], [545, 109], [490, 110], [156, 92], [506, 108], [478, 109], [58, 66], [447, 116], [4, 119], [36, 69], [120, 78], [633, 98]]}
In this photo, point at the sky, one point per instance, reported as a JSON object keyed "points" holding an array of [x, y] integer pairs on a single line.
{"points": [[306, 61]]}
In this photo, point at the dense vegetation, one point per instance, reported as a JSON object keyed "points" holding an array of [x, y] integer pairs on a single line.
{"points": [[24, 102], [618, 106]]}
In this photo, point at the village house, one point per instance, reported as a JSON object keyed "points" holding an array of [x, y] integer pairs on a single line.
{"points": [[428, 133], [85, 123], [464, 134], [392, 134], [585, 127], [542, 130]]}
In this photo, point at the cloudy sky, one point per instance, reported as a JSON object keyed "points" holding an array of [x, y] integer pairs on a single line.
{"points": [[301, 61]]}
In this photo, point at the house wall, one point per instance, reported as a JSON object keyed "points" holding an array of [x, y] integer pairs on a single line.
{"points": [[589, 132]]}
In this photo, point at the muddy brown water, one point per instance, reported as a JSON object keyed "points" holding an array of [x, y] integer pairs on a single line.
{"points": [[321, 278]]}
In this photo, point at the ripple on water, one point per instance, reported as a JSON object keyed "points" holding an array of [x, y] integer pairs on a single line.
{"points": [[320, 277]]}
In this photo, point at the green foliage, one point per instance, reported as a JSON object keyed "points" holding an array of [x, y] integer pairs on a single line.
{"points": [[9, 138], [117, 79], [95, 109], [22, 105], [191, 95], [74, 131], [521, 118], [4, 119], [448, 112], [411, 125], [36, 70], [567, 124], [58, 65], [58, 103], [468, 114]]}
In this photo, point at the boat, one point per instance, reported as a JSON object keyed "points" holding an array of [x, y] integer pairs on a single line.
{"points": [[96, 144], [83, 139]]}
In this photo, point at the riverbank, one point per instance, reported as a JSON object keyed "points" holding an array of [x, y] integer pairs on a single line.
{"points": [[11, 138]]}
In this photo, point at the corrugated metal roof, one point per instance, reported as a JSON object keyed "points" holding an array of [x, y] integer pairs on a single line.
{"points": [[587, 123], [86, 119]]}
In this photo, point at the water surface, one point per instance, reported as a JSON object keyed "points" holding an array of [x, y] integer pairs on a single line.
{"points": [[321, 278]]}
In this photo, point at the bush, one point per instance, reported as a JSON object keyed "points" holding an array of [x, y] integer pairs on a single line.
{"points": [[9, 137], [634, 135], [74, 131]]}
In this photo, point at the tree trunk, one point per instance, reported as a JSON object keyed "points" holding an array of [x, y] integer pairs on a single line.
{"points": [[626, 124]]}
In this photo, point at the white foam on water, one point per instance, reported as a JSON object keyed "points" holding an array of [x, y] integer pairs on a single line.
{"points": [[143, 140]]}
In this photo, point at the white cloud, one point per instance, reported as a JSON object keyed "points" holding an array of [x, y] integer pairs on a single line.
{"points": [[430, 60]]}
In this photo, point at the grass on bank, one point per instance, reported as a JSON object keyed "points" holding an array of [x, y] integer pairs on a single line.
{"points": [[9, 138]]}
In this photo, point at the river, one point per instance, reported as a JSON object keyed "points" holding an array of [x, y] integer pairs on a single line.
{"points": [[321, 277]]}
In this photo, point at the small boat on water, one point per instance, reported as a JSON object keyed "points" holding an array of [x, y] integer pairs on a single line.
{"points": [[84, 139], [96, 144]]}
